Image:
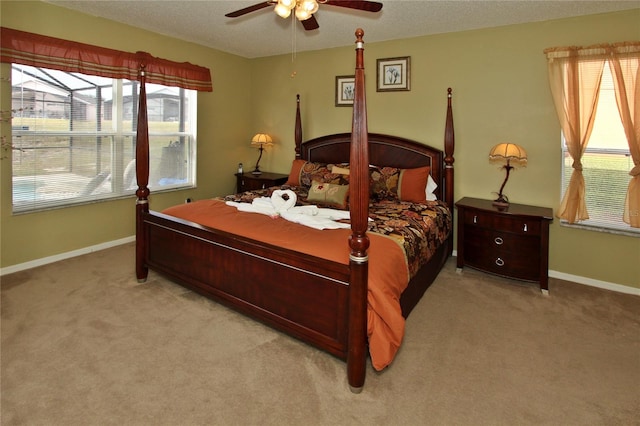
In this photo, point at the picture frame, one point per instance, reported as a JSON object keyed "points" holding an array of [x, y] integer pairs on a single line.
{"points": [[345, 90], [393, 74]]}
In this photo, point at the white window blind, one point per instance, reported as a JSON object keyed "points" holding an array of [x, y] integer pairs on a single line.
{"points": [[73, 138]]}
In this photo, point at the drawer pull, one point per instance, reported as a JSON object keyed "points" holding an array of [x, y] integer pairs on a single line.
{"points": [[475, 219], [499, 262], [525, 229], [499, 241]]}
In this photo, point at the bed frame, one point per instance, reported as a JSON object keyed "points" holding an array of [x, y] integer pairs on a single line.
{"points": [[321, 302]]}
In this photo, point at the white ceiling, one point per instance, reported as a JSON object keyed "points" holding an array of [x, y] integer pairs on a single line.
{"points": [[263, 33]]}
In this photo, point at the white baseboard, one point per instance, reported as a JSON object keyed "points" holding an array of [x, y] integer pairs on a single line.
{"points": [[62, 256], [595, 283], [46, 260], [589, 281]]}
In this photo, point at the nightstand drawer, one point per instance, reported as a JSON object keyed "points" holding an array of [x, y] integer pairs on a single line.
{"points": [[505, 223], [503, 253], [251, 182], [517, 225]]}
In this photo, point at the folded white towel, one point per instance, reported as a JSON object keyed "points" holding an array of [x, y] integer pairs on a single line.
{"points": [[254, 208], [316, 222], [308, 210], [311, 216], [334, 214], [263, 203], [283, 199]]}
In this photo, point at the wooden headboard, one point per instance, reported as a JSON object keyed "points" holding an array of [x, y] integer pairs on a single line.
{"points": [[384, 150], [387, 150]]}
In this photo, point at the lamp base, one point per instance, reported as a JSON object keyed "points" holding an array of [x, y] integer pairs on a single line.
{"points": [[256, 172], [501, 202]]}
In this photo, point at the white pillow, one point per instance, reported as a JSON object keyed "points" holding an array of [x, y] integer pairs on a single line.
{"points": [[431, 186]]}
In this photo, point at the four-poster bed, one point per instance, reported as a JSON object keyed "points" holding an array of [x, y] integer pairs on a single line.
{"points": [[322, 299]]}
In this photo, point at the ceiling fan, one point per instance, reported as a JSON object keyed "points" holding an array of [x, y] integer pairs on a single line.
{"points": [[304, 9]]}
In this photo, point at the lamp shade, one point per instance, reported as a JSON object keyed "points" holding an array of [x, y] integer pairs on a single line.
{"points": [[261, 139], [508, 153]]}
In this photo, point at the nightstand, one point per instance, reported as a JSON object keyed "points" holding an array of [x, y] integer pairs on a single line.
{"points": [[249, 181], [512, 242]]}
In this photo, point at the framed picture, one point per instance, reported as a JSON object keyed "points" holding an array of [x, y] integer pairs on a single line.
{"points": [[345, 90], [393, 74]]}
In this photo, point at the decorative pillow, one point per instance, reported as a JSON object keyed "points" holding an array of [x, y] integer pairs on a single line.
{"points": [[402, 184], [344, 170], [294, 174], [412, 185], [383, 182], [303, 173], [329, 194], [431, 187]]}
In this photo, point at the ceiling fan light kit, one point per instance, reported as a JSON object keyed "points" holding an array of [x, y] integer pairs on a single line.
{"points": [[304, 9]]}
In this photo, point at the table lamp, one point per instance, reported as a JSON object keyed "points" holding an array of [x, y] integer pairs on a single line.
{"points": [[260, 140], [507, 154]]}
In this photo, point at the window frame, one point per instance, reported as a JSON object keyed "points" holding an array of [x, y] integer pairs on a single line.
{"points": [[599, 223], [592, 224], [119, 137]]}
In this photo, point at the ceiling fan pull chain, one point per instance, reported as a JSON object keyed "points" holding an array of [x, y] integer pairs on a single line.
{"points": [[294, 41]]}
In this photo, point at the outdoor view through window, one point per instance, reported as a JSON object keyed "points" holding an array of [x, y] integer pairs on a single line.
{"points": [[74, 135]]}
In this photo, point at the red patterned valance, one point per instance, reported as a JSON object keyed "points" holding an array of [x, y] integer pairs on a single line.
{"points": [[42, 51]]}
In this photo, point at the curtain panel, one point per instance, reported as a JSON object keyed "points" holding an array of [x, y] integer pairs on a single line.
{"points": [[575, 84], [625, 67], [48, 52], [575, 74]]}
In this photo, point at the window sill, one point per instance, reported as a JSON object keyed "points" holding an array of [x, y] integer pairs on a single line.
{"points": [[130, 194], [629, 232]]}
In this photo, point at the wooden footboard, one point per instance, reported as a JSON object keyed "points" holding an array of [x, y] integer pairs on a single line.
{"points": [[304, 296]]}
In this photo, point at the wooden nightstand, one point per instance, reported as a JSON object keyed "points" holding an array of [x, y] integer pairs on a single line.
{"points": [[512, 242], [248, 181]]}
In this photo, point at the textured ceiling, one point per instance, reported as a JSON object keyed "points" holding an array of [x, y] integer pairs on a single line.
{"points": [[263, 33]]}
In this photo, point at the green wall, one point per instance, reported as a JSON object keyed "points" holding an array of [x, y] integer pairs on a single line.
{"points": [[500, 93], [223, 119]]}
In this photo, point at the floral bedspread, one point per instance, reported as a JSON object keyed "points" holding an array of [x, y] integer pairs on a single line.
{"points": [[418, 228]]}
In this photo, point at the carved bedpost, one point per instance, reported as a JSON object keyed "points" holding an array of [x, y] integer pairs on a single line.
{"points": [[449, 142], [142, 176], [298, 131], [358, 241]]}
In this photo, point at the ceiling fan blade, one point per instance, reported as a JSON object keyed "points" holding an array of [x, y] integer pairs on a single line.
{"points": [[249, 9], [368, 6], [310, 24]]}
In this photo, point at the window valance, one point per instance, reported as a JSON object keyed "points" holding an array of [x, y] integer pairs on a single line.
{"points": [[596, 51], [42, 51]]}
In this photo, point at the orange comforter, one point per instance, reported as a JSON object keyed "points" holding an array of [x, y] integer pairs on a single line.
{"points": [[388, 272]]}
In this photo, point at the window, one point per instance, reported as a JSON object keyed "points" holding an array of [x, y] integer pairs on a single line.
{"points": [[606, 163], [584, 81], [74, 136]]}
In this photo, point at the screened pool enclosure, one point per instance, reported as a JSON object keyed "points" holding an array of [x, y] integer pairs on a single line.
{"points": [[74, 137]]}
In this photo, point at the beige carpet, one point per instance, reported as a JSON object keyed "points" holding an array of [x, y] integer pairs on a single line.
{"points": [[84, 344]]}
